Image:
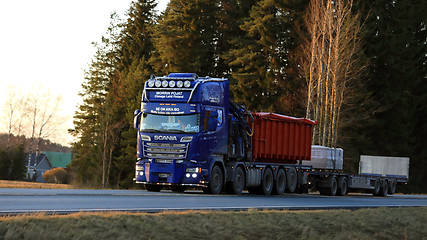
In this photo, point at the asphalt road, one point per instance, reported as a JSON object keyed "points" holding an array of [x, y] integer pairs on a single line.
{"points": [[15, 201]]}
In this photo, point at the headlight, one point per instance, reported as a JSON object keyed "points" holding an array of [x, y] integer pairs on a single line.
{"points": [[179, 84], [193, 170], [151, 83], [139, 168], [172, 84], [187, 84], [186, 139], [158, 83], [145, 138], [165, 83]]}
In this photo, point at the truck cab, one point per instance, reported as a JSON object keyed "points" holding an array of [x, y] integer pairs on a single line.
{"points": [[182, 131]]}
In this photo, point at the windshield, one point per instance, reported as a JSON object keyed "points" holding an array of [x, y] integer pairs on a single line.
{"points": [[170, 123]]}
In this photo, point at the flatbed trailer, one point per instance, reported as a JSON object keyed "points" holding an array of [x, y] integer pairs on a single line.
{"points": [[331, 182]]}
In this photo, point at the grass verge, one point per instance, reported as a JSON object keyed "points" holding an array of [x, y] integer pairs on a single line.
{"points": [[21, 184], [380, 223]]}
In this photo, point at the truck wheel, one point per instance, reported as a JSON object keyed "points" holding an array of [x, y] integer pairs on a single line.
{"points": [[238, 181], [280, 183], [342, 186], [384, 188], [392, 187], [153, 188], [331, 187], [267, 182], [216, 182], [377, 187], [292, 179], [178, 189]]}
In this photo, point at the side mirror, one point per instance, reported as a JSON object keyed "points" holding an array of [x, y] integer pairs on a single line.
{"points": [[137, 118]]}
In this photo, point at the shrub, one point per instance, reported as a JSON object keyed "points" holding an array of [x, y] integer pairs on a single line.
{"points": [[56, 175]]}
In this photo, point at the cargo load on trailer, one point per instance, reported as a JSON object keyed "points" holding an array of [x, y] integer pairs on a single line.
{"points": [[326, 158]]}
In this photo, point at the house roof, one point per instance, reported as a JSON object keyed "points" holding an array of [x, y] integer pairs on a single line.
{"points": [[33, 161], [58, 159]]}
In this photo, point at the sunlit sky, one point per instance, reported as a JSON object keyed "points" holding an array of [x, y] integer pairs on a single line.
{"points": [[48, 43]]}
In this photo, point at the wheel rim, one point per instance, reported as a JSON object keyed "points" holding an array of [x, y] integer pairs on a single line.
{"points": [[342, 186], [292, 179], [239, 181], [216, 181], [334, 186], [267, 182], [377, 187], [280, 182]]}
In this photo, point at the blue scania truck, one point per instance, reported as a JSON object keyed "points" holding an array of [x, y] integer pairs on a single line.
{"points": [[191, 135]]}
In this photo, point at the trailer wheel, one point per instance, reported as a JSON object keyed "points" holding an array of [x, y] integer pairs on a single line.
{"points": [[342, 186], [392, 187], [377, 187], [384, 188], [292, 179], [238, 181], [267, 182], [216, 182], [178, 189], [280, 183], [153, 188], [331, 186]]}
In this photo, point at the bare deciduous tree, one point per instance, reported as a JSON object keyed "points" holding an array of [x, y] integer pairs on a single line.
{"points": [[329, 61], [42, 115]]}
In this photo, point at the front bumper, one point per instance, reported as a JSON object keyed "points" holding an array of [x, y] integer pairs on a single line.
{"points": [[169, 174]]}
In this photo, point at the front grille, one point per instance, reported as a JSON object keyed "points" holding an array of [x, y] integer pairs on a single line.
{"points": [[175, 145], [165, 151]]}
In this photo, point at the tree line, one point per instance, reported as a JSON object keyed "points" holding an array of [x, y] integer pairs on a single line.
{"points": [[358, 68]]}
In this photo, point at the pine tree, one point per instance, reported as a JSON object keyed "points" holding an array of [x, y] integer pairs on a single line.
{"points": [[231, 15], [185, 38], [261, 56], [112, 91], [93, 119], [136, 48]]}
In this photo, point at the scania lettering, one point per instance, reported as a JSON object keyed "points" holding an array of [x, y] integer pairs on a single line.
{"points": [[169, 138], [190, 134]]}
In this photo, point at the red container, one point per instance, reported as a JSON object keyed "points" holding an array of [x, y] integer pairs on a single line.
{"points": [[281, 139]]}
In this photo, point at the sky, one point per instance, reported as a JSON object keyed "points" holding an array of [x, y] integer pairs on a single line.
{"points": [[47, 44]]}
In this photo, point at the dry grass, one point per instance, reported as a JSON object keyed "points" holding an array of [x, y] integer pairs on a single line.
{"points": [[20, 184], [381, 223]]}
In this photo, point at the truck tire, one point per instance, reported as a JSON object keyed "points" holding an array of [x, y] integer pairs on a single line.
{"points": [[384, 188], [267, 182], [216, 182], [331, 186], [280, 183], [292, 179], [153, 188], [377, 187], [178, 189], [342, 186], [392, 187], [238, 181]]}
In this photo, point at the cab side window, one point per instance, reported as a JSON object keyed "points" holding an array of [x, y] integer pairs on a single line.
{"points": [[206, 120]]}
